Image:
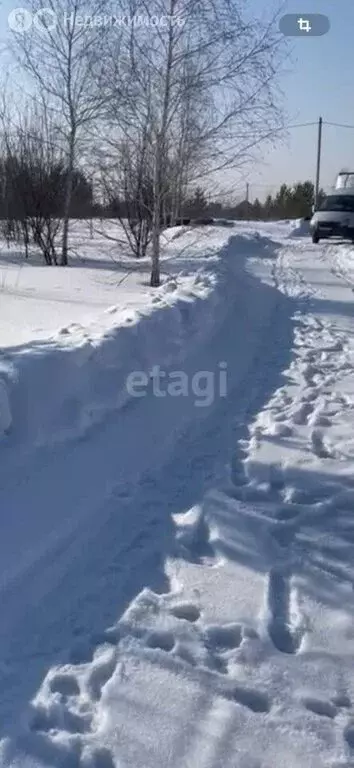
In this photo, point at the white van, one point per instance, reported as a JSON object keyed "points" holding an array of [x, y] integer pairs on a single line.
{"points": [[345, 179], [335, 216]]}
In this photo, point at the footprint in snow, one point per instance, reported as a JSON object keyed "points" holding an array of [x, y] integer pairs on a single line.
{"points": [[288, 512], [224, 638], [99, 757], [160, 640], [283, 534], [318, 446], [64, 684], [186, 611], [45, 718], [320, 707], [349, 734], [285, 637], [342, 701], [256, 701], [101, 671]]}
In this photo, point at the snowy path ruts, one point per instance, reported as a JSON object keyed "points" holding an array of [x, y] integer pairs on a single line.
{"points": [[236, 644], [71, 567]]}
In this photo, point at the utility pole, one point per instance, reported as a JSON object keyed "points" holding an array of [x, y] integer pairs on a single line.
{"points": [[318, 167], [247, 192]]}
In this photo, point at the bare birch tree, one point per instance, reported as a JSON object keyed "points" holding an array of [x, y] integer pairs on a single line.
{"points": [[126, 180], [58, 53], [202, 76]]}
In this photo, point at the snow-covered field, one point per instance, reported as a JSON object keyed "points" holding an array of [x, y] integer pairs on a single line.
{"points": [[65, 359], [37, 301], [177, 572]]}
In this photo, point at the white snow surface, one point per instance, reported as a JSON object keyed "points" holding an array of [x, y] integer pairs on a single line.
{"points": [[301, 228], [57, 385], [177, 579]]}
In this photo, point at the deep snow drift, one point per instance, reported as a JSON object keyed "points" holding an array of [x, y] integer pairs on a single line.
{"points": [[177, 584], [57, 386]]}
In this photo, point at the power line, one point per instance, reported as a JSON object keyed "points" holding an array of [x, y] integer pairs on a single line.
{"points": [[324, 122], [338, 125], [300, 125]]}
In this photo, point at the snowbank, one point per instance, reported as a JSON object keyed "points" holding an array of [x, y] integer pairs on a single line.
{"points": [[56, 389], [301, 228], [159, 609], [343, 262]]}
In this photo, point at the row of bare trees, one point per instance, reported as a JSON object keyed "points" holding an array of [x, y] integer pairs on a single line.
{"points": [[32, 171], [151, 108]]}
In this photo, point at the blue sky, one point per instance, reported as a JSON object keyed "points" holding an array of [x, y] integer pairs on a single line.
{"points": [[319, 81]]}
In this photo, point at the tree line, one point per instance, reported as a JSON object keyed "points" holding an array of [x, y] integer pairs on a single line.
{"points": [[33, 183], [289, 202]]}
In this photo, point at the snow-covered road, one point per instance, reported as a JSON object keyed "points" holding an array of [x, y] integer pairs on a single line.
{"points": [[178, 586]]}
